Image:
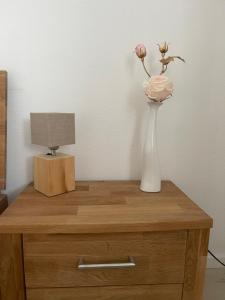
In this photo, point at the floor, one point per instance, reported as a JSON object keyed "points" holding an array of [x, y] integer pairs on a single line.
{"points": [[215, 284]]}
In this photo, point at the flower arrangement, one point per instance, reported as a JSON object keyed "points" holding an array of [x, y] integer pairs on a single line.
{"points": [[158, 87]]}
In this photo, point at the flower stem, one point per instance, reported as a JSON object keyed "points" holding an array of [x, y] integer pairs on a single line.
{"points": [[146, 71], [164, 68]]}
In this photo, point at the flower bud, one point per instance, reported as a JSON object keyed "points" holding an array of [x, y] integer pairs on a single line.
{"points": [[141, 51], [163, 48]]}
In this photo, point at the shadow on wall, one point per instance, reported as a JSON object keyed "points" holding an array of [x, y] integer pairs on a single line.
{"points": [[29, 146], [137, 107], [137, 137], [28, 161]]}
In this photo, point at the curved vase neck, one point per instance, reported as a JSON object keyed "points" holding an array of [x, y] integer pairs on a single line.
{"points": [[154, 104]]}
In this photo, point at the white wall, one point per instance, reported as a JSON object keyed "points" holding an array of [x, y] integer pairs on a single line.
{"points": [[77, 56]]}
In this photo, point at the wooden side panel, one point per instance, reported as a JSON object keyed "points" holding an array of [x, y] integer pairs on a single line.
{"points": [[3, 102], [3, 203], [142, 292], [11, 266], [196, 256]]}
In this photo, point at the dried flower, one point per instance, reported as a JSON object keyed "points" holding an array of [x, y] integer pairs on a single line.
{"points": [[163, 47], [141, 51], [158, 88]]}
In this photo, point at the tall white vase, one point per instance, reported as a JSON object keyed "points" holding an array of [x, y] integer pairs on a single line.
{"points": [[151, 179]]}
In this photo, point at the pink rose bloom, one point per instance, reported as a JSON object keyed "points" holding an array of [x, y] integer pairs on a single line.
{"points": [[141, 51], [158, 88]]}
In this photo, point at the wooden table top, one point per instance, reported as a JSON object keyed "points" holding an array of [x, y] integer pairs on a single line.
{"points": [[103, 206]]}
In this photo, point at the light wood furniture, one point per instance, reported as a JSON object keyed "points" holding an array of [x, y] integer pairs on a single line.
{"points": [[3, 129], [11, 264], [6, 278], [3, 203], [54, 175], [4, 274], [106, 240]]}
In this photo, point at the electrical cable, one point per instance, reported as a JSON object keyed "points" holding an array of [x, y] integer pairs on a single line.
{"points": [[223, 264]]}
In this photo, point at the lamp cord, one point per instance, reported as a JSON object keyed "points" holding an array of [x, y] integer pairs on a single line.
{"points": [[217, 259]]}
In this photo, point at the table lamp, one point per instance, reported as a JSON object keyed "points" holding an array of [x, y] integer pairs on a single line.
{"points": [[54, 172]]}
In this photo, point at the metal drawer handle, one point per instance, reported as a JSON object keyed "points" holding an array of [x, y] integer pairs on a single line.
{"points": [[130, 264]]}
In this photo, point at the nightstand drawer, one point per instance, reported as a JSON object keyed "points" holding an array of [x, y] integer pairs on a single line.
{"points": [[142, 292], [106, 259]]}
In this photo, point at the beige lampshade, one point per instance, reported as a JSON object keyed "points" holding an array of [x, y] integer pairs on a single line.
{"points": [[52, 129]]}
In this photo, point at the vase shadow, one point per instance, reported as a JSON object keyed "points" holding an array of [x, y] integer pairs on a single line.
{"points": [[137, 106]]}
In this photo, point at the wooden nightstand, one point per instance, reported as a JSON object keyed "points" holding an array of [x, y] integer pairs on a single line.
{"points": [[106, 240]]}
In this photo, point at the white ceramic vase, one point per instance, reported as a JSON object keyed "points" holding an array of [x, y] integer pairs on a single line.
{"points": [[151, 179]]}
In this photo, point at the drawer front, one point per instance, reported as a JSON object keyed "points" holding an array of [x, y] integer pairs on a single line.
{"points": [[145, 292], [53, 260]]}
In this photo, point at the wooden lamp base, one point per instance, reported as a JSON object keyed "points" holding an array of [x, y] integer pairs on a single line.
{"points": [[54, 175]]}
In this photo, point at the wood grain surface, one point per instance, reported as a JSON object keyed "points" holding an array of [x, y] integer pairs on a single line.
{"points": [[196, 258], [106, 221], [11, 263], [54, 175], [159, 258], [3, 128], [11, 266], [142, 292], [104, 206], [3, 202]]}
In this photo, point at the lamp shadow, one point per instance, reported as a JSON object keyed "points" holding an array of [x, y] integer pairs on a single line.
{"points": [[136, 107], [33, 149]]}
